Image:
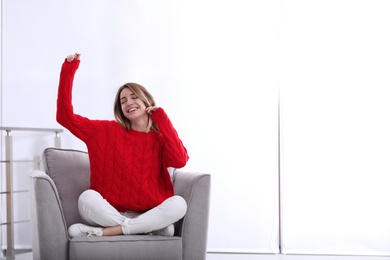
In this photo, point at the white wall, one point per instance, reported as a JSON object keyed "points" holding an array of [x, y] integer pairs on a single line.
{"points": [[230, 86], [335, 125]]}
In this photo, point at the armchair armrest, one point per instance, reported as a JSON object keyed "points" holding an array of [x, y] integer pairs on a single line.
{"points": [[49, 230], [194, 187]]}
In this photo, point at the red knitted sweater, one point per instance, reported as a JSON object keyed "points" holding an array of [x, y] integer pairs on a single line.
{"points": [[128, 168]]}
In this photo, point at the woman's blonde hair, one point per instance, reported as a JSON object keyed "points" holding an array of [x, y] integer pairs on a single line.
{"points": [[142, 93]]}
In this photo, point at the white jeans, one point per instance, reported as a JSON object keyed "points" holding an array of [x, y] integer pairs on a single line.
{"points": [[96, 211]]}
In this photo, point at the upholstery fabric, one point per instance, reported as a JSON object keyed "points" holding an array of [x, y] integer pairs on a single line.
{"points": [[69, 170], [140, 247], [49, 231], [195, 224]]}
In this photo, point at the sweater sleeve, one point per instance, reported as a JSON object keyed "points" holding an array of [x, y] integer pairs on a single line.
{"points": [[174, 153], [76, 124]]}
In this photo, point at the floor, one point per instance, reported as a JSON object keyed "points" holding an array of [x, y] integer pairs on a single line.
{"points": [[288, 257], [28, 256]]}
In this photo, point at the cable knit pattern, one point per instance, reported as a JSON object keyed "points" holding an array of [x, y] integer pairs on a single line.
{"points": [[128, 168]]}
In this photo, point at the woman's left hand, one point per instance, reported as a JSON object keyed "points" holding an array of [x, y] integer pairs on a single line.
{"points": [[151, 109]]}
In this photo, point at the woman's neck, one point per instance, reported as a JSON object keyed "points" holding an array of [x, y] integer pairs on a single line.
{"points": [[141, 125]]}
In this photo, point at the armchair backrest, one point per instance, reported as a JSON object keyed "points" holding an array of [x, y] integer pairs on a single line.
{"points": [[69, 170]]}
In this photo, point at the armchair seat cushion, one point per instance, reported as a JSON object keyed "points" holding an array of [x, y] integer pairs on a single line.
{"points": [[126, 247]]}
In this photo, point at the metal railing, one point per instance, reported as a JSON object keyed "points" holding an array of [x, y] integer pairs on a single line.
{"points": [[9, 192]]}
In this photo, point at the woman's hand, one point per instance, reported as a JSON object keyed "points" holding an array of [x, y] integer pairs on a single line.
{"points": [[72, 57], [151, 109]]}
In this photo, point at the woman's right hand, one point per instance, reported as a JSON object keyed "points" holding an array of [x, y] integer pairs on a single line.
{"points": [[72, 57]]}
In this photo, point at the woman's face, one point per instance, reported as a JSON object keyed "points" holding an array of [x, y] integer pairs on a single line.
{"points": [[132, 107]]}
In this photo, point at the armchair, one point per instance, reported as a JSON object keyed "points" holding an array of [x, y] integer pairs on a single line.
{"points": [[54, 196]]}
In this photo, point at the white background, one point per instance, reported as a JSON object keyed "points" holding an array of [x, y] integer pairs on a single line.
{"points": [[216, 67], [335, 126]]}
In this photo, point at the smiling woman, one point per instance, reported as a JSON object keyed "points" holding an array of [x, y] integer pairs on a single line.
{"points": [[133, 193], [131, 103]]}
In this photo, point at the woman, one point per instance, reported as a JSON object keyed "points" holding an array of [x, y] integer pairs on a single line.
{"points": [[131, 191]]}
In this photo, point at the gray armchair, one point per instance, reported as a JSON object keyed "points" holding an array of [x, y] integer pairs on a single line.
{"points": [[54, 196]]}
